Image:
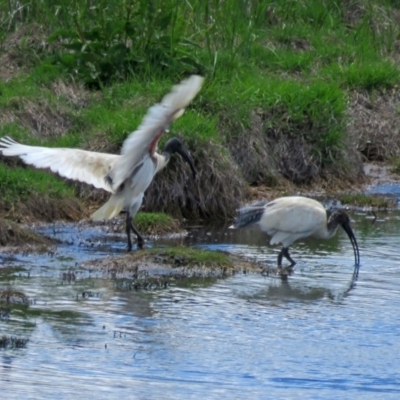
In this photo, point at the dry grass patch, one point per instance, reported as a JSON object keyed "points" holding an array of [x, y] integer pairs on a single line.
{"points": [[21, 49], [374, 121], [13, 234], [42, 208], [73, 93], [217, 192], [276, 157], [37, 116]]}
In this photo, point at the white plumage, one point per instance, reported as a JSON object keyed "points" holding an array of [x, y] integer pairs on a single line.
{"points": [[128, 175], [79, 165], [288, 219], [143, 142]]}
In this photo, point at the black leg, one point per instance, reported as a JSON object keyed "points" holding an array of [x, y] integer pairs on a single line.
{"points": [[140, 240], [285, 272], [285, 252], [128, 224], [130, 227], [280, 255]]}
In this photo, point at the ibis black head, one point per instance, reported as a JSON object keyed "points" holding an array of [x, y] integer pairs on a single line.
{"points": [[339, 217], [174, 145]]}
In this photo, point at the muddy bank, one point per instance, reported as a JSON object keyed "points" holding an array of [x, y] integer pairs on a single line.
{"points": [[380, 174], [17, 238], [379, 191], [154, 268]]}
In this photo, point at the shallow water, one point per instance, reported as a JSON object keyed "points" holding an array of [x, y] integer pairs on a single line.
{"points": [[248, 336]]}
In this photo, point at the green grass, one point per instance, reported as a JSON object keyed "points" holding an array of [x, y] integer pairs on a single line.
{"points": [[217, 38], [196, 256], [366, 75], [18, 183], [155, 223], [292, 62]]}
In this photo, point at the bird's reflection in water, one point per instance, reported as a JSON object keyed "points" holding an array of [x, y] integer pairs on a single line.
{"points": [[301, 289]]}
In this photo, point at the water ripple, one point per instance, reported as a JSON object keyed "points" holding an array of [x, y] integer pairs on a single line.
{"points": [[318, 335]]}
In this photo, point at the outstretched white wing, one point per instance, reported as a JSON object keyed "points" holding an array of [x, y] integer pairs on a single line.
{"points": [[75, 164], [142, 143]]}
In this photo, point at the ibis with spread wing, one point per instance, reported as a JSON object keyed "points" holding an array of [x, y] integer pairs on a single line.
{"points": [[127, 175]]}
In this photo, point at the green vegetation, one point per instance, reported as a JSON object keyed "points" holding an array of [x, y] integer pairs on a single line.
{"points": [[396, 165], [186, 256], [279, 74], [361, 199], [157, 267], [21, 182], [155, 223]]}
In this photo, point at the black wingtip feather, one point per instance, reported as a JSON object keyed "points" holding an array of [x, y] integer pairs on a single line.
{"points": [[249, 215]]}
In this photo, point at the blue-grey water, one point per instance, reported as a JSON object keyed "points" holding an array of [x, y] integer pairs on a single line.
{"points": [[316, 336]]}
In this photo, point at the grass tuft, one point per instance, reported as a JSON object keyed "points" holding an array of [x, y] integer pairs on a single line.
{"points": [[150, 223], [189, 256]]}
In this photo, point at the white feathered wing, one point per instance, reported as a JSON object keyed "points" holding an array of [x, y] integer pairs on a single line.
{"points": [[136, 166], [79, 165], [142, 143]]}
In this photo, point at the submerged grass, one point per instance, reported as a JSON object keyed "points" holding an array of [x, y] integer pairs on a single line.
{"points": [[12, 342], [274, 105], [362, 200]]}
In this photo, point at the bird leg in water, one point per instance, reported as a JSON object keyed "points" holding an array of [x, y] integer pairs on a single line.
{"points": [[285, 253], [286, 271], [130, 227]]}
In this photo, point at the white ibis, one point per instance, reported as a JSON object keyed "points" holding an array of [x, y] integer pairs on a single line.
{"points": [[128, 175], [288, 219]]}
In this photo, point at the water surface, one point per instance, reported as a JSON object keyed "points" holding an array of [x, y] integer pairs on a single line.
{"points": [[246, 337]]}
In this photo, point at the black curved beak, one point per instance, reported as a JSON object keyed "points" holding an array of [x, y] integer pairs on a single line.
{"points": [[188, 159], [353, 241]]}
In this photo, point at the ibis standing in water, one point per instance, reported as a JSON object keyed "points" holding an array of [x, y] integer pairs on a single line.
{"points": [[127, 175], [288, 219]]}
